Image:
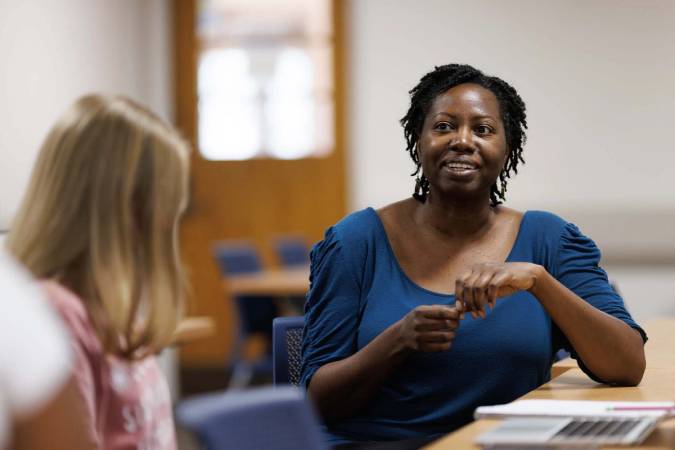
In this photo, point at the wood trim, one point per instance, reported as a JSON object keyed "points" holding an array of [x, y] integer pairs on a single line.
{"points": [[340, 77], [254, 199], [185, 68]]}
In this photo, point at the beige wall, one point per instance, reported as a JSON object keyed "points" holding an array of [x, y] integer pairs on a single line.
{"points": [[598, 77], [55, 51]]}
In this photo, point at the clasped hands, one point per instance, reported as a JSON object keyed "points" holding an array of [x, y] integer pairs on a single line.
{"points": [[431, 328]]}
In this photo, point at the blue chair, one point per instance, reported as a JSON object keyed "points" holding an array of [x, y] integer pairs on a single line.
{"points": [[255, 313], [560, 355], [286, 342], [263, 418], [292, 251]]}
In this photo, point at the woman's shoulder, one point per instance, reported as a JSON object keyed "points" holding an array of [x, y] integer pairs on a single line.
{"points": [[354, 237], [354, 227], [395, 212], [551, 230], [545, 221]]}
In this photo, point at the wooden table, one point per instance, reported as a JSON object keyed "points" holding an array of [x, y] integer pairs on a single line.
{"points": [[193, 329], [275, 283], [571, 383], [657, 385], [659, 349]]}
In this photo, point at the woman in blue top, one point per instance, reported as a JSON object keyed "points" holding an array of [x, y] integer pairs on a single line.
{"points": [[427, 308]]}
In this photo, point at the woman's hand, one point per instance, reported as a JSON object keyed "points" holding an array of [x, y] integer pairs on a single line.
{"points": [[481, 285], [429, 328]]}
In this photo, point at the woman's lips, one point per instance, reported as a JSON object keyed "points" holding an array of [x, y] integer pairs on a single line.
{"points": [[459, 169]]}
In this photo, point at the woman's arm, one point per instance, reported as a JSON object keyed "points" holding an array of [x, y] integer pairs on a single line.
{"points": [[341, 388], [610, 348]]}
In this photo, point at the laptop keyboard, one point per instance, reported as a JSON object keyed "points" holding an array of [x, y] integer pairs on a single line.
{"points": [[563, 432], [601, 429]]}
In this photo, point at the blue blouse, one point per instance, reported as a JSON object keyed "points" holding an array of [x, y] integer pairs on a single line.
{"points": [[358, 290]]}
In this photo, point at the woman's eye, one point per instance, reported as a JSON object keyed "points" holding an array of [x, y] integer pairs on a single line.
{"points": [[443, 126], [483, 129]]}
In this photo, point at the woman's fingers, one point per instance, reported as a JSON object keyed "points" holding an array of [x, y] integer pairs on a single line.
{"points": [[459, 306], [437, 312], [460, 293], [468, 290], [479, 289], [437, 336], [436, 317], [492, 292], [482, 285], [497, 283], [436, 325], [473, 293], [435, 347], [435, 341], [428, 328], [431, 328]]}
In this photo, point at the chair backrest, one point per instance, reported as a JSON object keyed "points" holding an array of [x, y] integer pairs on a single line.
{"points": [[241, 257], [292, 251], [286, 342], [265, 418], [236, 257]]}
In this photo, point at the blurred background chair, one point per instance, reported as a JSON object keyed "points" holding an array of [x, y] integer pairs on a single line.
{"points": [[278, 418], [255, 313], [286, 342], [292, 251]]}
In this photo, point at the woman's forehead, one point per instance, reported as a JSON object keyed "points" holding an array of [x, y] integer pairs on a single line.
{"points": [[466, 98]]}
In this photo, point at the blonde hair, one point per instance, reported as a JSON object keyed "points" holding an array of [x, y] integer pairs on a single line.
{"points": [[101, 215]]}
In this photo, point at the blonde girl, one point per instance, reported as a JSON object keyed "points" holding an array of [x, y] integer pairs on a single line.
{"points": [[99, 225]]}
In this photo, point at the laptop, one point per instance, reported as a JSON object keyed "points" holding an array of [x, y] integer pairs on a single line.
{"points": [[567, 432]]}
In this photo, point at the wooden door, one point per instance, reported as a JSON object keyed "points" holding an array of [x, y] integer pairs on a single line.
{"points": [[255, 199]]}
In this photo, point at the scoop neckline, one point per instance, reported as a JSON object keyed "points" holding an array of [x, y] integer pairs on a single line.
{"points": [[405, 276]]}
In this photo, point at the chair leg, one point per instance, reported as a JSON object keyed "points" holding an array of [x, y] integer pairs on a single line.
{"points": [[242, 373]]}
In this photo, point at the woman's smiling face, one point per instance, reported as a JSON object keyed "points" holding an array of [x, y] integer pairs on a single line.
{"points": [[462, 146]]}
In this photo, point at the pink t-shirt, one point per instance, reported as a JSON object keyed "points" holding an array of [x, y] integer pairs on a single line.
{"points": [[129, 403]]}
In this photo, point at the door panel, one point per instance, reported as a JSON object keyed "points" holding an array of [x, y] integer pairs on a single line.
{"points": [[255, 199]]}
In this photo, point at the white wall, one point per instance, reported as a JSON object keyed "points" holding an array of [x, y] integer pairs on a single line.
{"points": [[598, 78], [55, 51]]}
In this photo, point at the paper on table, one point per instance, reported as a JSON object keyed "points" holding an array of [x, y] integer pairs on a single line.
{"points": [[574, 408]]}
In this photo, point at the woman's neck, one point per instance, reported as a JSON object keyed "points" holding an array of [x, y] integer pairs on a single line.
{"points": [[456, 218]]}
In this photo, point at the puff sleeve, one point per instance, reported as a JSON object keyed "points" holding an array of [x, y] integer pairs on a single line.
{"points": [[332, 307], [577, 267]]}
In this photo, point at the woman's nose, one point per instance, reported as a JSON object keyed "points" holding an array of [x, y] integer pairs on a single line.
{"points": [[462, 140]]}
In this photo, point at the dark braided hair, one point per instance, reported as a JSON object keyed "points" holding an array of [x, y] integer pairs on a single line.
{"points": [[511, 108]]}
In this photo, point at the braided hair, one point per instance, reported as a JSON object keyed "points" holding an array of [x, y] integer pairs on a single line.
{"points": [[511, 107]]}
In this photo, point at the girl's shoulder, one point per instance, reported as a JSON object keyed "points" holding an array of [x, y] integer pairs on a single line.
{"points": [[73, 313], [64, 301]]}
